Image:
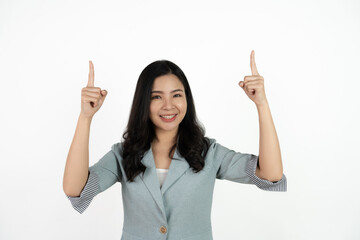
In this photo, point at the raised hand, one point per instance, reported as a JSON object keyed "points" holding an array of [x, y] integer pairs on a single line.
{"points": [[254, 85], [92, 97]]}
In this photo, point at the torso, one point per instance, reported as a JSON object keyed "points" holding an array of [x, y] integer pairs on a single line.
{"points": [[161, 157]]}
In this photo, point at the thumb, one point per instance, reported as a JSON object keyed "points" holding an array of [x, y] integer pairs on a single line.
{"points": [[104, 93]]}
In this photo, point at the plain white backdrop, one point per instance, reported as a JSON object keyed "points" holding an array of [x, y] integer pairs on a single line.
{"points": [[307, 51]]}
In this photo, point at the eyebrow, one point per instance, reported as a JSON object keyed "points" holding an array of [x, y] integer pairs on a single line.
{"points": [[176, 90]]}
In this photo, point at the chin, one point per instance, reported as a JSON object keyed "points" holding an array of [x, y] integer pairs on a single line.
{"points": [[168, 128]]}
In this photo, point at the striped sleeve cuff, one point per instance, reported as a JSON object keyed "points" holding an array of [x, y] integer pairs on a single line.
{"points": [[280, 186], [90, 190]]}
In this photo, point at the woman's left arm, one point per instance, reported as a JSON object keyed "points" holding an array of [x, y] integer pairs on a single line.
{"points": [[270, 163], [269, 149]]}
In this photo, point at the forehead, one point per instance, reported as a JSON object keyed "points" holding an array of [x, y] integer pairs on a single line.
{"points": [[167, 83]]}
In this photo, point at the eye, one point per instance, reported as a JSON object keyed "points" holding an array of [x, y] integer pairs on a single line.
{"points": [[155, 97], [178, 95]]}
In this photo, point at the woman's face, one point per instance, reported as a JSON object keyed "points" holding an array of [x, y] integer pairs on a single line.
{"points": [[168, 103]]}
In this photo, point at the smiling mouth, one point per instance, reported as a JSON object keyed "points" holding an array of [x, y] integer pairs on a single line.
{"points": [[168, 116]]}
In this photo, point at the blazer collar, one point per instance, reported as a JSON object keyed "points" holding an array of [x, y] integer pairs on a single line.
{"points": [[177, 168]]}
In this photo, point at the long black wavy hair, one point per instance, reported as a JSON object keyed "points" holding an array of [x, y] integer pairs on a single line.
{"points": [[191, 141]]}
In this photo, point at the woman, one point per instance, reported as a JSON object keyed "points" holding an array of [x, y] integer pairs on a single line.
{"points": [[166, 166]]}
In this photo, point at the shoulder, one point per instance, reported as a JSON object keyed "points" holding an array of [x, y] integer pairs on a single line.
{"points": [[117, 148], [212, 144], [217, 152], [211, 157]]}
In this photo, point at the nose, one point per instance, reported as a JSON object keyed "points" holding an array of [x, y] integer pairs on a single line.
{"points": [[168, 103]]}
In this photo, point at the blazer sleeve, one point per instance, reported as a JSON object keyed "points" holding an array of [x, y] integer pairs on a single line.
{"points": [[101, 176], [240, 167]]}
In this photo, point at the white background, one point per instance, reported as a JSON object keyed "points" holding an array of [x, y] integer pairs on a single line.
{"points": [[307, 51]]}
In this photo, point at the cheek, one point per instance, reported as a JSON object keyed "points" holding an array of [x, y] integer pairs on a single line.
{"points": [[183, 107], [153, 109]]}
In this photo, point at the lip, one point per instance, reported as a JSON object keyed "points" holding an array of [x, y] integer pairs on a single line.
{"points": [[168, 120], [168, 114]]}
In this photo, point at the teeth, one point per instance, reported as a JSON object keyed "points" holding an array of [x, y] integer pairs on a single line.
{"points": [[168, 117]]}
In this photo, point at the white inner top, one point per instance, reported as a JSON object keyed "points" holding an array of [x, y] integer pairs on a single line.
{"points": [[161, 172]]}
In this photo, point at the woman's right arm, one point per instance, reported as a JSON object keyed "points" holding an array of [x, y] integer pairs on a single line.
{"points": [[77, 162]]}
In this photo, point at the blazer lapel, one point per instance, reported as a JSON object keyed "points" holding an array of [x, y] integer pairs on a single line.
{"points": [[151, 180], [177, 168]]}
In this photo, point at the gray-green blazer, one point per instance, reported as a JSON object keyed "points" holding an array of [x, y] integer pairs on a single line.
{"points": [[181, 208]]}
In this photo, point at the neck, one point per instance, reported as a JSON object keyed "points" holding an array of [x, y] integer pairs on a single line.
{"points": [[165, 138]]}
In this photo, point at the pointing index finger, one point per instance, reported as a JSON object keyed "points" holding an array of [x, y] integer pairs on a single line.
{"points": [[91, 74], [252, 63]]}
